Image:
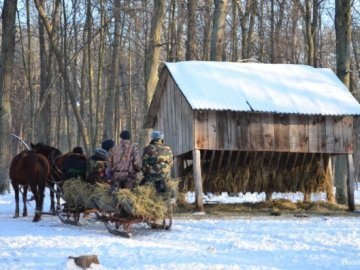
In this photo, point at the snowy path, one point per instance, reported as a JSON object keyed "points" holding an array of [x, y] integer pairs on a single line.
{"points": [[266, 242]]}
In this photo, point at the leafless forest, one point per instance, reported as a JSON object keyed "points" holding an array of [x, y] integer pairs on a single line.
{"points": [[83, 70]]}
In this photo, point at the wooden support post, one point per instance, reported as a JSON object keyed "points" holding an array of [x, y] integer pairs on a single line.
{"points": [[228, 162], [203, 159], [350, 182], [307, 194], [199, 207], [220, 161], [328, 171], [178, 166]]}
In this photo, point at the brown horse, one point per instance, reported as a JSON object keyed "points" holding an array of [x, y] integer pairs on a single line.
{"points": [[29, 169], [63, 167], [71, 165], [51, 153]]}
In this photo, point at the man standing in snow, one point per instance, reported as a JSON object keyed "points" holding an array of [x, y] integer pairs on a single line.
{"points": [[124, 162], [157, 162]]}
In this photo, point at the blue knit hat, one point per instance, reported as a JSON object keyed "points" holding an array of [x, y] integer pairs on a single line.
{"points": [[157, 135], [101, 153]]}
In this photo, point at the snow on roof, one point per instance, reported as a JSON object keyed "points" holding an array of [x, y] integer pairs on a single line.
{"points": [[276, 88]]}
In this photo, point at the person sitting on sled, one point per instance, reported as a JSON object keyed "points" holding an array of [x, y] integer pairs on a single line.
{"points": [[124, 162]]}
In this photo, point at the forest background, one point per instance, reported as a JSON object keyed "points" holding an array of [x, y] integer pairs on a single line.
{"points": [[75, 72]]}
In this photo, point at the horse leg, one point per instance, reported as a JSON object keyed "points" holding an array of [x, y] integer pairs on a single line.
{"points": [[24, 197], [16, 190], [58, 190], [37, 196], [41, 195], [52, 199]]}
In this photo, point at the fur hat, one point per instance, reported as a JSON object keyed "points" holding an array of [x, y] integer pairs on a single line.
{"points": [[157, 135], [78, 150], [107, 144], [125, 135]]}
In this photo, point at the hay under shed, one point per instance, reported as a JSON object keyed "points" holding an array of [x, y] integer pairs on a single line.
{"points": [[263, 172]]}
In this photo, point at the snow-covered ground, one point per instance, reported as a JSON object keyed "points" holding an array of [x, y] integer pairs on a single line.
{"points": [[265, 242]]}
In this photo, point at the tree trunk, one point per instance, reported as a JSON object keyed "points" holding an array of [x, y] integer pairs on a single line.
{"points": [[90, 70], [191, 30], [277, 33], [153, 52], [272, 33], [30, 73], [43, 121], [6, 68], [234, 27], [153, 55], [207, 29], [99, 91], [217, 37], [171, 43], [109, 120], [244, 14], [343, 39], [64, 73], [309, 36]]}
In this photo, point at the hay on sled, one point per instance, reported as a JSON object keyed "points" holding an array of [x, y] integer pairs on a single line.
{"points": [[140, 202]]}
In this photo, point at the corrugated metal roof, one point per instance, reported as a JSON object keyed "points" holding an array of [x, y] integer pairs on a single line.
{"points": [[276, 88]]}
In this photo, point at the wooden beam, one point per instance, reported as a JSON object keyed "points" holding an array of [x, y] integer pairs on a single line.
{"points": [[228, 161], [211, 161], [220, 161], [199, 205], [350, 182], [328, 171], [178, 166], [307, 195]]}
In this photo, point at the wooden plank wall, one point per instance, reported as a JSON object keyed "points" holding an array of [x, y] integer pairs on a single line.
{"points": [[239, 131], [186, 130], [175, 118]]}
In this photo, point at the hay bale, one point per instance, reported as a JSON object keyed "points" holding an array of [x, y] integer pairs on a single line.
{"points": [[285, 173], [141, 202]]}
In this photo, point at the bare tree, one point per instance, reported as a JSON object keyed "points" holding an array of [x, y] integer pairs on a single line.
{"points": [[217, 37], [153, 51], [6, 69], [64, 73], [191, 30], [343, 41]]}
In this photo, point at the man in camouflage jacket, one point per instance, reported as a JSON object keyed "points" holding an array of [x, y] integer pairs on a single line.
{"points": [[157, 162], [124, 162]]}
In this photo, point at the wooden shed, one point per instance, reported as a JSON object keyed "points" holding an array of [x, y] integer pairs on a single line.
{"points": [[244, 126]]}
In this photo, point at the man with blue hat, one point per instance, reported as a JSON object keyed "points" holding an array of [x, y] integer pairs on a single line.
{"points": [[157, 162]]}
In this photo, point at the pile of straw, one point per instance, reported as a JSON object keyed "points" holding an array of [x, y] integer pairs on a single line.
{"points": [[140, 202], [305, 173], [78, 194]]}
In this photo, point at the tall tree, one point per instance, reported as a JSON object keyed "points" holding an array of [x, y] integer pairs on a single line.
{"points": [[64, 72], [153, 50], [191, 30], [46, 57], [6, 69], [153, 54], [110, 101], [343, 41], [244, 14], [218, 33]]}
